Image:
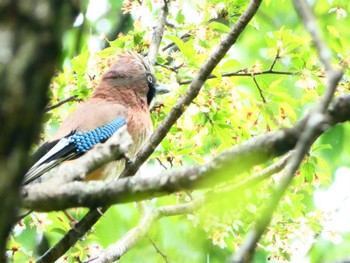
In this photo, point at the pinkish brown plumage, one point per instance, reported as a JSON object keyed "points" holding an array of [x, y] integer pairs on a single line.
{"points": [[125, 92]]}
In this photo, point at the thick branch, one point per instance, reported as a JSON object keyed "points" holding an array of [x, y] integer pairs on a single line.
{"points": [[72, 236], [194, 88], [101, 154], [316, 123], [221, 169], [115, 251], [158, 33], [93, 215]]}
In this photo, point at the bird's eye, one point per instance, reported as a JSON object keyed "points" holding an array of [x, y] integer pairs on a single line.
{"points": [[150, 79]]}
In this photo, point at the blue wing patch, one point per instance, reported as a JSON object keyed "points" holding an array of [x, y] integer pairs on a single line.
{"points": [[71, 147], [85, 141]]}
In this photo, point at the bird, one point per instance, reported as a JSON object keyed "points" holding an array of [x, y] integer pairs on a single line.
{"points": [[122, 97]]}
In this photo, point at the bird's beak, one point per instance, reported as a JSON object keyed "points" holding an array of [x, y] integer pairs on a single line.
{"points": [[160, 89]]}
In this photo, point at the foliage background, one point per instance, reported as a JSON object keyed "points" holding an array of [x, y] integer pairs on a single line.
{"points": [[228, 111]]}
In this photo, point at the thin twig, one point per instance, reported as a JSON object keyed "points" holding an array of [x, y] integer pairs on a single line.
{"points": [[118, 249], [156, 107], [184, 36], [134, 235], [173, 69], [168, 24], [243, 73], [277, 57], [252, 180], [259, 89], [161, 163], [158, 250], [332, 74], [60, 103]]}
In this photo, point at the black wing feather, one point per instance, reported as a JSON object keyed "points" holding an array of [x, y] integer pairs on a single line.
{"points": [[66, 152]]}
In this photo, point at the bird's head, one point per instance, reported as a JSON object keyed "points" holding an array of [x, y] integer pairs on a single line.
{"points": [[133, 74]]}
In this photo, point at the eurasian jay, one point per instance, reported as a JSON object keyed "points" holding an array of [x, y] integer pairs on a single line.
{"points": [[122, 97]]}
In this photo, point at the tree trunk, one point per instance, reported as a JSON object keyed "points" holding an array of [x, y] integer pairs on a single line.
{"points": [[30, 45]]}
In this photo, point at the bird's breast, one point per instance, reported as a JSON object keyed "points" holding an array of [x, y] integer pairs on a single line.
{"points": [[140, 128]]}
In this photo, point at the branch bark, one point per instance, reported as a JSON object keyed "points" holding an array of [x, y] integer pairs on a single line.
{"points": [[71, 237], [158, 33], [134, 235], [60, 103]]}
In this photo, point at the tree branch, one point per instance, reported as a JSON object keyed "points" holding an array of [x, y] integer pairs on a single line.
{"points": [[253, 180], [60, 103], [316, 123], [259, 89], [151, 215], [194, 88], [245, 73], [72, 236], [226, 165], [165, 258], [158, 33], [113, 149], [115, 251], [93, 215]]}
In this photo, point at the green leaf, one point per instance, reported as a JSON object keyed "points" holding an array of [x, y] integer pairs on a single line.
{"points": [[186, 48], [229, 65], [219, 27], [60, 231], [79, 63], [321, 147], [333, 31], [180, 18], [308, 170]]}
